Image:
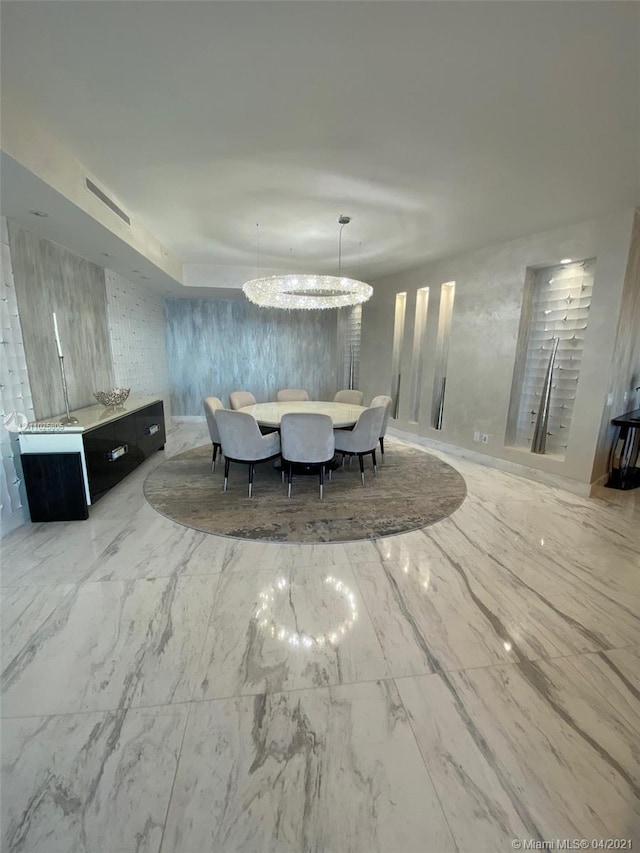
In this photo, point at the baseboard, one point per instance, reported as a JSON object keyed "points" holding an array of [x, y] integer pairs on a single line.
{"points": [[574, 486], [188, 419]]}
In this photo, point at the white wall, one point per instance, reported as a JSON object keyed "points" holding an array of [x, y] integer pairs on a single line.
{"points": [[484, 332], [136, 317], [15, 392]]}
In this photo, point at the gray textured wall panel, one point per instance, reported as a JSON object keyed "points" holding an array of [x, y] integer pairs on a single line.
{"points": [[218, 346], [49, 278]]}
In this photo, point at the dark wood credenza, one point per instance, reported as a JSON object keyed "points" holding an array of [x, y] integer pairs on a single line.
{"points": [[68, 468], [624, 467]]}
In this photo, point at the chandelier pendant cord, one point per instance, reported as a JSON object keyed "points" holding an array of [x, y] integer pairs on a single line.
{"points": [[342, 224], [258, 248]]}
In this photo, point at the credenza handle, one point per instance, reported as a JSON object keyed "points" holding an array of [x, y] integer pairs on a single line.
{"points": [[117, 452], [152, 430]]}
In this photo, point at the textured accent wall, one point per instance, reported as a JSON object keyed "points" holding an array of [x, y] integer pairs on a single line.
{"points": [[138, 341], [484, 334], [49, 278], [15, 393], [217, 346]]}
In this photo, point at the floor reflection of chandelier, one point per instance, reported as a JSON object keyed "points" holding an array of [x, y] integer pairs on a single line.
{"points": [[298, 639], [306, 291]]}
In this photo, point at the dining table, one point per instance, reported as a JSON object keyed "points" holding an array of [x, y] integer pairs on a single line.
{"points": [[343, 415]]}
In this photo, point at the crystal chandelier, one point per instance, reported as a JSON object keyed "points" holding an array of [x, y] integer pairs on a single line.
{"points": [[302, 291]]}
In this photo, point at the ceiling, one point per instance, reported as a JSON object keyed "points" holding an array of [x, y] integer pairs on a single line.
{"points": [[438, 126]]}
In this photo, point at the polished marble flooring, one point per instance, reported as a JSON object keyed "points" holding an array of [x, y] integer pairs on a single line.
{"points": [[450, 689]]}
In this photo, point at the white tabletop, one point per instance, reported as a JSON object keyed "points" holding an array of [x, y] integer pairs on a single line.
{"points": [[269, 414]]}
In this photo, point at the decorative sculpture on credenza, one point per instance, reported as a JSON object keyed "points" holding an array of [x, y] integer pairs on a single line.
{"points": [[539, 440]]}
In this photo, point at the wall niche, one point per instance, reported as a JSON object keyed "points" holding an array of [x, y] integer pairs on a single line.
{"points": [[556, 304]]}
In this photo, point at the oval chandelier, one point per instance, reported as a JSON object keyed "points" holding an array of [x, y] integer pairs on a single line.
{"points": [[297, 291]]}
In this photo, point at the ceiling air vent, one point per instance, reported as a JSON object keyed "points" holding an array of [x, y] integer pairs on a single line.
{"points": [[104, 198]]}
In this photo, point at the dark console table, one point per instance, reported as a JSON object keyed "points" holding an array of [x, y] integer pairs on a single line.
{"points": [[624, 472], [67, 468]]}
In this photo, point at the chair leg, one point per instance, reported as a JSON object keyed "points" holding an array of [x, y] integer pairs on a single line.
{"points": [[289, 479], [251, 469], [321, 481], [226, 474], [343, 460], [375, 467], [213, 458], [361, 461], [330, 469], [382, 447]]}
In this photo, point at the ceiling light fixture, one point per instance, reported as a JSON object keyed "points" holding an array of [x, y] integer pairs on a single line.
{"points": [[565, 261], [307, 291]]}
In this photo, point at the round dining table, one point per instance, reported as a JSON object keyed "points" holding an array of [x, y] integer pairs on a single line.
{"points": [[269, 414]]}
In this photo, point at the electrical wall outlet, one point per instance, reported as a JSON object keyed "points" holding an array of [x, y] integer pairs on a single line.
{"points": [[476, 436], [485, 438]]}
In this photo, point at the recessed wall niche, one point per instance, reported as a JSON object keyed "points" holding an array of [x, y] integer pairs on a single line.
{"points": [[447, 296], [417, 359], [556, 304], [396, 354]]}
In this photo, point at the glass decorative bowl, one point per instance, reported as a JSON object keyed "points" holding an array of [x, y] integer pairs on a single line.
{"points": [[114, 397]]}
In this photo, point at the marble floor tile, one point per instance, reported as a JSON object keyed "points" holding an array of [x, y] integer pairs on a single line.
{"points": [[23, 610], [159, 548], [542, 584], [112, 645], [330, 769], [89, 783], [427, 619], [534, 751], [242, 554], [55, 553], [288, 629]]}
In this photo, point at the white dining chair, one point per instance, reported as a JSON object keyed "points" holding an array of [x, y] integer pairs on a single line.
{"points": [[243, 442], [349, 396], [286, 395], [211, 406], [362, 439], [382, 400], [240, 399], [306, 439]]}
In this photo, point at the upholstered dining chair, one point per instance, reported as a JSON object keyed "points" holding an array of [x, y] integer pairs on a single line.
{"points": [[362, 439], [240, 399], [347, 396], [285, 395], [243, 442], [211, 406], [307, 439], [382, 400]]}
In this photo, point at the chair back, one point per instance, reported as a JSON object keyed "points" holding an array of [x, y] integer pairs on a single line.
{"points": [[240, 399], [211, 406], [366, 432], [240, 435], [382, 400], [286, 395], [349, 396], [306, 437]]}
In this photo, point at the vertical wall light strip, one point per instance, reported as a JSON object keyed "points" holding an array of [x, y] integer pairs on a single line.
{"points": [[417, 360], [447, 295], [398, 341]]}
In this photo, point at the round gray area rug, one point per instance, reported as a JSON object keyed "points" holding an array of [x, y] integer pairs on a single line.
{"points": [[413, 489]]}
